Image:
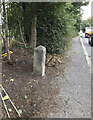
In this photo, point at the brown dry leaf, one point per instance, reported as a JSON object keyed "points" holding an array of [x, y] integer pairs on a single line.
{"points": [[52, 60]]}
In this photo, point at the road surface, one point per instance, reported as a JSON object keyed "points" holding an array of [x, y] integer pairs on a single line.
{"points": [[75, 87]]}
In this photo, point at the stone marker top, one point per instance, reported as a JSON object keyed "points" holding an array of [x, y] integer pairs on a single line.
{"points": [[40, 47]]}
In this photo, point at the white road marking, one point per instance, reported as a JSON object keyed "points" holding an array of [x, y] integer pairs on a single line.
{"points": [[86, 54]]}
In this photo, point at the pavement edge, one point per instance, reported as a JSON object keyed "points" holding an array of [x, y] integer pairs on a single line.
{"points": [[85, 52]]}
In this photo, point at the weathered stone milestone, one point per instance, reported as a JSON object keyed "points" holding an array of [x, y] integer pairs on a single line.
{"points": [[39, 60]]}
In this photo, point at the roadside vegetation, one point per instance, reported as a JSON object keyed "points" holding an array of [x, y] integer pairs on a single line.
{"points": [[49, 24], [87, 23]]}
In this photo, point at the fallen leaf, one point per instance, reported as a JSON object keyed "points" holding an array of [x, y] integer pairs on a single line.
{"points": [[34, 105], [9, 109], [12, 79], [3, 75], [34, 80], [25, 96], [20, 111]]}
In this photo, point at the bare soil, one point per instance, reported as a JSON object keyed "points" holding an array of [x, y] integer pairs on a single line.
{"points": [[34, 95]]}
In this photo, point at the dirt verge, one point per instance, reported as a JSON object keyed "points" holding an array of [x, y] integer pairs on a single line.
{"points": [[34, 95]]}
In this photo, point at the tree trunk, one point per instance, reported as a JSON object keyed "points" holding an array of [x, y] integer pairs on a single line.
{"points": [[21, 33], [33, 28], [6, 31], [2, 35]]}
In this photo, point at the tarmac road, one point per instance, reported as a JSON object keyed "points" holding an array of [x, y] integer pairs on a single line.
{"points": [[75, 87]]}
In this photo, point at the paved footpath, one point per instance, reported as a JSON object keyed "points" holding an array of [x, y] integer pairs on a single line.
{"points": [[75, 87]]}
